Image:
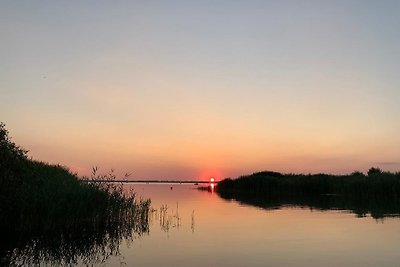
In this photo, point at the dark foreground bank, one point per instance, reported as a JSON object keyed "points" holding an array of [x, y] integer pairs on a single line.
{"points": [[376, 193], [48, 209]]}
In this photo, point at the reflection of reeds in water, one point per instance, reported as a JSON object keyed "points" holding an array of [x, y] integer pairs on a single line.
{"points": [[192, 224], [48, 216], [209, 188], [377, 193], [168, 217], [91, 243]]}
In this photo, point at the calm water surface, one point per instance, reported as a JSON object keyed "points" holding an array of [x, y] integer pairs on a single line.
{"points": [[196, 228], [201, 229]]}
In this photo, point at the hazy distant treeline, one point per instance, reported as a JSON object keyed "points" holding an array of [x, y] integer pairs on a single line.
{"points": [[376, 192]]}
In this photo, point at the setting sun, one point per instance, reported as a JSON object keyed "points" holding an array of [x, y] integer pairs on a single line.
{"points": [[205, 133]]}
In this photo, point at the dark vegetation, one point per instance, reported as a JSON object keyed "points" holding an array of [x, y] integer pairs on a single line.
{"points": [[377, 193], [48, 210]]}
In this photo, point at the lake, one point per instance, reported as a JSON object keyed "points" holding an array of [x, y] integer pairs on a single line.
{"points": [[189, 227]]}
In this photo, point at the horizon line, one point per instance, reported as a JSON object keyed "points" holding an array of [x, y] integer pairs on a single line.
{"points": [[153, 181]]}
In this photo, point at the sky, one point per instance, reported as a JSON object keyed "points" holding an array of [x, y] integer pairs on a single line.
{"points": [[198, 89]]}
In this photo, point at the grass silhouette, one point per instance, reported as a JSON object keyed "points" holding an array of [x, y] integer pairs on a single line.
{"points": [[377, 193], [42, 200]]}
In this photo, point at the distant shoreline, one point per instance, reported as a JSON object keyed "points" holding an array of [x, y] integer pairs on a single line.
{"points": [[151, 181], [376, 193]]}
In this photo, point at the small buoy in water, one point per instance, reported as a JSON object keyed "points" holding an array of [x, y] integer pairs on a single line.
{"points": [[171, 187]]}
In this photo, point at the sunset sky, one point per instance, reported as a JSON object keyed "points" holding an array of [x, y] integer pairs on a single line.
{"points": [[194, 89]]}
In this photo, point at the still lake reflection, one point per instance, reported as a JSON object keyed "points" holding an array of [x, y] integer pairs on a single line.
{"points": [[196, 228]]}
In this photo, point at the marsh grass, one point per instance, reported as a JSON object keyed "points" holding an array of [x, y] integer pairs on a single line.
{"points": [[168, 217], [40, 202], [377, 193]]}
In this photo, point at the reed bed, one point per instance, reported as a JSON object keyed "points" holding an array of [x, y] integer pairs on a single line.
{"points": [[376, 192], [38, 200]]}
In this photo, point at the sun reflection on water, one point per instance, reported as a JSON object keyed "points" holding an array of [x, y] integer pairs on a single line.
{"points": [[212, 185]]}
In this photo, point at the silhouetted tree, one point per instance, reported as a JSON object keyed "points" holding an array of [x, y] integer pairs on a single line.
{"points": [[374, 170], [9, 151]]}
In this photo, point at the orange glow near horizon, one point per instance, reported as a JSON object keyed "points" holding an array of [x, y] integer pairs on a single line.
{"points": [[217, 97], [212, 175]]}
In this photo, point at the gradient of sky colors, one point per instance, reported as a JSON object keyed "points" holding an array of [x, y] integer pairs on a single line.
{"points": [[193, 89]]}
